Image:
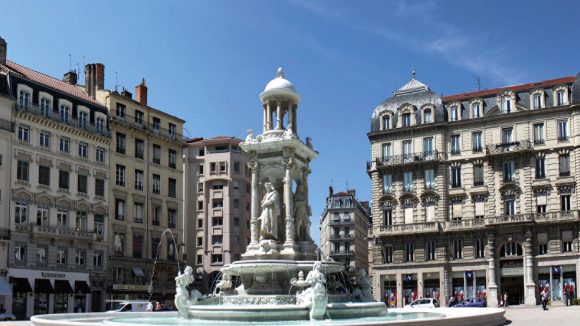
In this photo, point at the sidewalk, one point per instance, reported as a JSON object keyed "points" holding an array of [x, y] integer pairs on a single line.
{"points": [[527, 316]]}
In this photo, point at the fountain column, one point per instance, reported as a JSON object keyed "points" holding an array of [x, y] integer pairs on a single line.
{"points": [[491, 284], [289, 203], [278, 116], [254, 228], [530, 295], [268, 117], [290, 117]]}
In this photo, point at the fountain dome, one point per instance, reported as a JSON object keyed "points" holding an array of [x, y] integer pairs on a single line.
{"points": [[279, 86]]}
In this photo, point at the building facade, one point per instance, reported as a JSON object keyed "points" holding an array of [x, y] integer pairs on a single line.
{"points": [[474, 195], [344, 226], [218, 206], [58, 176], [146, 194]]}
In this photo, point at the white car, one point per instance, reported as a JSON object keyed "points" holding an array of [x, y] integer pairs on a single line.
{"points": [[423, 303], [131, 306], [7, 316]]}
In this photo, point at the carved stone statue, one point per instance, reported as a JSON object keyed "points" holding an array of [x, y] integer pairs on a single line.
{"points": [[315, 297], [301, 214], [250, 136], [182, 299], [364, 292], [270, 213], [225, 285]]}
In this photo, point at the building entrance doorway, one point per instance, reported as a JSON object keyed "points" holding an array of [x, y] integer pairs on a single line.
{"points": [[514, 286]]}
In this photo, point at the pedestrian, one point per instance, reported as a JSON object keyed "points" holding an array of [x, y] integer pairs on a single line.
{"points": [[566, 293], [505, 299], [544, 298]]}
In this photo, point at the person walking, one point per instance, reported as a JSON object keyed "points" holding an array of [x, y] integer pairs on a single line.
{"points": [[544, 298], [505, 298]]}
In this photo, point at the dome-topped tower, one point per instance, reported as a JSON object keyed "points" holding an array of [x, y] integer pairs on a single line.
{"points": [[280, 103]]}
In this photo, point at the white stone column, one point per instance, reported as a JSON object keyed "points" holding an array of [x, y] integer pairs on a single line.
{"points": [[491, 272], [420, 285], [278, 116], [268, 117], [289, 203], [290, 117], [265, 117], [255, 201], [400, 294], [530, 294]]}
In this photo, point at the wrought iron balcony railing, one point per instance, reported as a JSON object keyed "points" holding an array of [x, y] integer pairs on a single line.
{"points": [[510, 147]]}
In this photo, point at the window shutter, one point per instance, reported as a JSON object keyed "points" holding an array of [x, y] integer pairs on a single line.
{"points": [[479, 208], [408, 215], [567, 236], [430, 213], [541, 200], [542, 238]]}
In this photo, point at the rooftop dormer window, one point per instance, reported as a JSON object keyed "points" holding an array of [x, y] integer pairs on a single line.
{"points": [[24, 99], [45, 105], [454, 113], [427, 116], [506, 104], [100, 123], [537, 101], [120, 112], [83, 119], [561, 95], [476, 110], [64, 113], [386, 122], [406, 119]]}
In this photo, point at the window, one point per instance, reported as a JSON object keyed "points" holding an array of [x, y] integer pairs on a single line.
{"points": [[538, 133], [388, 258], [236, 185], [139, 180], [542, 243], [407, 150], [455, 145], [454, 113], [98, 259], [510, 205], [560, 98], [156, 154], [429, 179], [567, 238], [388, 183], [217, 240], [42, 214], [81, 257], [64, 145], [156, 184], [564, 163], [409, 251], [540, 168], [537, 101], [41, 254], [156, 215], [476, 110], [61, 254], [172, 130], [506, 135], [64, 113], [386, 122], [119, 244], [45, 106], [236, 203], [457, 249], [200, 205], [82, 184], [100, 124], [563, 130], [119, 275], [408, 181], [62, 217], [99, 225], [120, 112], [24, 99], [100, 187], [83, 150], [24, 133], [119, 209], [22, 170], [386, 151], [541, 203], [456, 176], [156, 124], [236, 167], [173, 159], [172, 188], [83, 119], [217, 221], [428, 147], [21, 212], [506, 104], [100, 155], [479, 248], [138, 212], [63, 179], [509, 171], [200, 169], [388, 216], [139, 148], [565, 202], [216, 258], [200, 187], [44, 139], [120, 175], [427, 116], [223, 167], [121, 140], [199, 259], [137, 246], [406, 119], [172, 218], [478, 177], [217, 203], [20, 252], [202, 151], [138, 117], [476, 142], [430, 250]]}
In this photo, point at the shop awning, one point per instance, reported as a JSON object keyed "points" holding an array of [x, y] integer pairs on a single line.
{"points": [[43, 286], [5, 288], [20, 284], [82, 287], [138, 271], [62, 286]]}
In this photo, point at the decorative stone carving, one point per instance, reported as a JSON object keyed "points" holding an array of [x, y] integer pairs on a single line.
{"points": [[315, 297], [364, 293], [301, 213], [182, 298], [270, 213]]}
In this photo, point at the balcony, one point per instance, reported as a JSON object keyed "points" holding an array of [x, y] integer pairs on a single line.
{"points": [[509, 219], [460, 225], [556, 216], [510, 148], [167, 134], [413, 158], [342, 253], [342, 222], [55, 231], [341, 236], [55, 116], [397, 229]]}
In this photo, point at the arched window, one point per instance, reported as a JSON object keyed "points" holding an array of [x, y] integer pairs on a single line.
{"points": [[386, 122], [24, 99], [506, 104], [45, 105], [427, 116]]}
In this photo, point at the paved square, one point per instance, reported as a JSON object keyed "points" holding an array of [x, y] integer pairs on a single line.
{"points": [[562, 315]]}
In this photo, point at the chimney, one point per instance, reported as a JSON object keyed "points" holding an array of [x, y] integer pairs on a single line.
{"points": [[141, 93], [70, 77], [330, 191], [3, 49], [351, 192], [94, 78], [126, 93]]}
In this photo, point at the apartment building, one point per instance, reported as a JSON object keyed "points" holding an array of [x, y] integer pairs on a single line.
{"points": [[344, 227], [56, 185], [218, 206], [474, 194], [145, 189]]}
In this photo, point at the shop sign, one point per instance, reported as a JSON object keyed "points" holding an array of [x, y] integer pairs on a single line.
{"points": [[172, 268], [53, 275], [130, 287]]}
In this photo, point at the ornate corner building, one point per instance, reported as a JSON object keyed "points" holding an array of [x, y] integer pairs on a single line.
{"points": [[474, 195]]}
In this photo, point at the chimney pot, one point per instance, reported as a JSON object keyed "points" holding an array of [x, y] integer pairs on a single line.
{"points": [[94, 78], [141, 92], [70, 77], [126, 93]]}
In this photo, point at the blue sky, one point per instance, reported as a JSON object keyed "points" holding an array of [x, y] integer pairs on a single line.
{"points": [[207, 61]]}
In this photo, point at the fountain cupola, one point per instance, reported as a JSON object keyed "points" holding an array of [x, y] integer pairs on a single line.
{"points": [[280, 103]]}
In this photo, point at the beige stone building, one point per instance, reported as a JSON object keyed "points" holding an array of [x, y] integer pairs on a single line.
{"points": [[344, 226], [218, 206], [145, 193], [474, 195], [56, 166]]}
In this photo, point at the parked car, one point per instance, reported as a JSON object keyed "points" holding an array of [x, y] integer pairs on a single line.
{"points": [[472, 303], [7, 316], [128, 306], [423, 303]]}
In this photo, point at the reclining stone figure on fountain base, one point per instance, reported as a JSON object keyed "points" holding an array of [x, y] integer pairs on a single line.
{"points": [[315, 297], [183, 298], [364, 290]]}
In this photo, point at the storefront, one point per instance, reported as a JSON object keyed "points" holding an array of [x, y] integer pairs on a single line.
{"points": [[556, 279], [409, 288], [390, 291], [5, 294]]}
